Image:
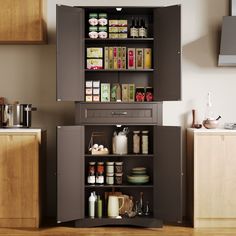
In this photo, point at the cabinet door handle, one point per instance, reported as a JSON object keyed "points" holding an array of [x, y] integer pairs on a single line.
{"points": [[119, 113]]}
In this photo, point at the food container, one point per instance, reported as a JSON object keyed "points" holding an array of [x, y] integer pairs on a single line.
{"points": [[118, 178], [118, 167], [94, 52], [94, 64], [93, 19], [102, 19], [149, 94], [110, 179], [110, 167], [140, 94]]}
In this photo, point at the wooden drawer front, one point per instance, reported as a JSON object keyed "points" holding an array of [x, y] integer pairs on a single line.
{"points": [[116, 113]]}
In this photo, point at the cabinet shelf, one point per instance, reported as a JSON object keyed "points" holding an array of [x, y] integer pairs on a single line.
{"points": [[120, 70], [117, 155], [121, 186], [120, 40]]}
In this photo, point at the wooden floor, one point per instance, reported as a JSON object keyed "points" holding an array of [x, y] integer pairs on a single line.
{"points": [[117, 231]]}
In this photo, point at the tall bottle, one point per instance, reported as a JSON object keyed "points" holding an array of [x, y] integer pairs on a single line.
{"points": [[209, 110], [142, 30], [92, 205], [133, 30], [99, 207]]}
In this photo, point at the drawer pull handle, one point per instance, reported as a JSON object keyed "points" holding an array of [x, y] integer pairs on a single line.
{"points": [[118, 113]]}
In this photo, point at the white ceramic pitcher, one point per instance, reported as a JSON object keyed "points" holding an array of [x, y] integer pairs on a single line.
{"points": [[115, 203]]}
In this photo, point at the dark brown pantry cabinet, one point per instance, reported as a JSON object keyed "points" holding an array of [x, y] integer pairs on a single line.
{"points": [[164, 159]]}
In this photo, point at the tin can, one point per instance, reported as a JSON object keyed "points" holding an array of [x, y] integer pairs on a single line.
{"points": [[149, 94], [140, 94]]}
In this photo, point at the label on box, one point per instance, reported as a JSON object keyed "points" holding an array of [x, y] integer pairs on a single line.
{"points": [[113, 29], [96, 91], [125, 92], [88, 91], [105, 92], [131, 58], [94, 52], [88, 98], [113, 22], [139, 58], [122, 22], [115, 92], [96, 98], [106, 58], [113, 35], [123, 36], [94, 64], [110, 60], [89, 84], [147, 58], [96, 84], [131, 92]]}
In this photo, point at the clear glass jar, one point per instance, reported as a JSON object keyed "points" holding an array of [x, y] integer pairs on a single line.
{"points": [[118, 178], [118, 167], [110, 179], [136, 142], [145, 141], [100, 173], [110, 167], [91, 173]]}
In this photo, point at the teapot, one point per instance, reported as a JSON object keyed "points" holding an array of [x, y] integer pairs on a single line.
{"points": [[211, 123]]}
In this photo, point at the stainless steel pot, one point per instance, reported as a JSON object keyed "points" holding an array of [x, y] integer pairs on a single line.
{"points": [[16, 115]]}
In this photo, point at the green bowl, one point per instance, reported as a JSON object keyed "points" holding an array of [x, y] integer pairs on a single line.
{"points": [[138, 179]]}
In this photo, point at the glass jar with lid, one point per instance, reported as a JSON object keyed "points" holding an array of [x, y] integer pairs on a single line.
{"points": [[91, 173], [100, 173], [145, 141], [136, 142]]}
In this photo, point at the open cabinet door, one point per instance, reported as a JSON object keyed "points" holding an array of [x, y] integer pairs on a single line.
{"points": [[168, 189], [70, 173], [70, 53], [167, 56]]}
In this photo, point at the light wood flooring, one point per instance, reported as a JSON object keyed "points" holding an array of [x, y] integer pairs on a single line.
{"points": [[117, 231]]}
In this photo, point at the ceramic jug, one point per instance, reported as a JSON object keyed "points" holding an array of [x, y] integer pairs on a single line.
{"points": [[115, 203]]}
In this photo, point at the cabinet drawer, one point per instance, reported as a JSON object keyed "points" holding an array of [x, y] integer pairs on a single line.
{"points": [[118, 113]]}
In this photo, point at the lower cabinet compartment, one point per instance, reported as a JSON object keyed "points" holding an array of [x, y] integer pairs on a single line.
{"points": [[138, 182]]}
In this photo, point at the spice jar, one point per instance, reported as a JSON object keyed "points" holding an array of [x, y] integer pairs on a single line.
{"points": [[118, 167], [136, 142], [91, 173], [110, 167], [110, 179], [118, 178], [100, 173], [145, 142]]}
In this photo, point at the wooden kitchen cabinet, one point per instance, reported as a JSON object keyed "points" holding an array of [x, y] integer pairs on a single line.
{"points": [[20, 178], [22, 22], [212, 170]]}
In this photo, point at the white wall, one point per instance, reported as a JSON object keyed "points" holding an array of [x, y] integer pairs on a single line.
{"points": [[28, 73]]}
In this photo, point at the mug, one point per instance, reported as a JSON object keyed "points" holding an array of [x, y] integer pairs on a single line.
{"points": [[114, 206]]}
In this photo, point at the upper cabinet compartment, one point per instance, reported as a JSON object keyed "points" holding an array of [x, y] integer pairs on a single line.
{"points": [[22, 22], [130, 54]]}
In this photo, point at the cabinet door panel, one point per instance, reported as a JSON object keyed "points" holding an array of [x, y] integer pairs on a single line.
{"points": [[168, 174], [214, 177], [167, 56], [70, 173], [70, 53]]}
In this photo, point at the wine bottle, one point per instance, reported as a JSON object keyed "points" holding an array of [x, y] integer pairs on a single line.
{"points": [[133, 29], [142, 30]]}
